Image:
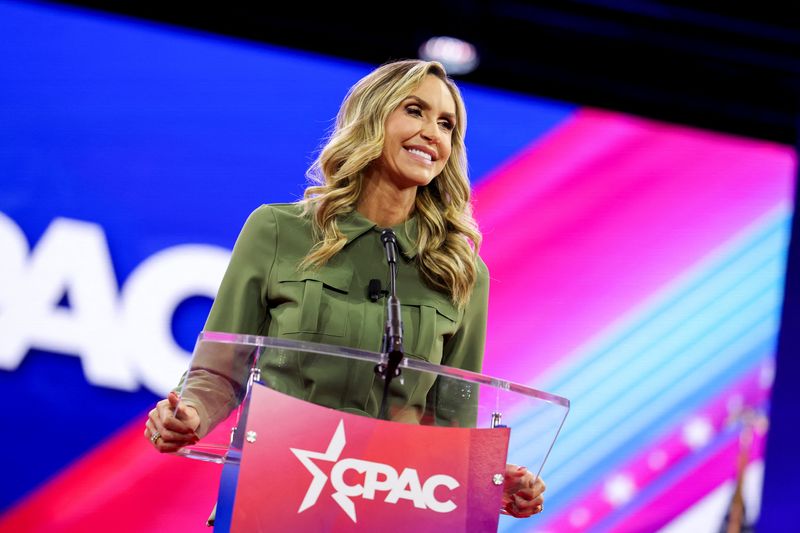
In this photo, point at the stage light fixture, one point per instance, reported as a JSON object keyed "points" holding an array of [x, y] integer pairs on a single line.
{"points": [[457, 56]]}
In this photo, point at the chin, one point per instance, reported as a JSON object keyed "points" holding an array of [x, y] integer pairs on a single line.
{"points": [[418, 179], [418, 183]]}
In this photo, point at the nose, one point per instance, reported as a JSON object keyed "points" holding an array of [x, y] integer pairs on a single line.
{"points": [[431, 132]]}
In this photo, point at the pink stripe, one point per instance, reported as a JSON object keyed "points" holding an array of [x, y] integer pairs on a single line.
{"points": [[652, 462], [691, 488], [600, 214], [123, 486]]}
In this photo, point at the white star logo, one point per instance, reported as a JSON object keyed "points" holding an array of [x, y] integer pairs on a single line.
{"points": [[332, 454]]}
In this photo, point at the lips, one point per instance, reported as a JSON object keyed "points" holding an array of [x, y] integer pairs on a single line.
{"points": [[422, 153]]}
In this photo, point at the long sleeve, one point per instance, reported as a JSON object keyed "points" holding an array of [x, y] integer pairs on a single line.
{"points": [[241, 302], [455, 400], [465, 348], [211, 386]]}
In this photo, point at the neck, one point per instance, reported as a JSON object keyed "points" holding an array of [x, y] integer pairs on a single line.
{"points": [[384, 204]]}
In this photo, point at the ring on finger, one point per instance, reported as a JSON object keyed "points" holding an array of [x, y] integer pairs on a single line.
{"points": [[154, 437]]}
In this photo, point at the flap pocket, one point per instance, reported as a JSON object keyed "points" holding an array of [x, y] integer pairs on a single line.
{"points": [[334, 278], [439, 302], [315, 301], [424, 329]]}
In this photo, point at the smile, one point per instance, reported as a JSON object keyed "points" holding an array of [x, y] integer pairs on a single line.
{"points": [[420, 154]]}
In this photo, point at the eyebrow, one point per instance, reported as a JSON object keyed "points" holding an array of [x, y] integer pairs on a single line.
{"points": [[426, 105]]}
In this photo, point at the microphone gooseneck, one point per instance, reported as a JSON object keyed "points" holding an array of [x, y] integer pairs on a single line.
{"points": [[392, 344], [394, 324]]}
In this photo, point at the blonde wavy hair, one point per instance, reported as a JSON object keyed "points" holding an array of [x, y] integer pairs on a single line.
{"points": [[448, 239]]}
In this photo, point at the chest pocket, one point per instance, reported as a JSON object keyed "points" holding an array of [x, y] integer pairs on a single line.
{"points": [[426, 323], [313, 301]]}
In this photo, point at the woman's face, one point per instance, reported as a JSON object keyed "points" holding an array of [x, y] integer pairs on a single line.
{"points": [[418, 135]]}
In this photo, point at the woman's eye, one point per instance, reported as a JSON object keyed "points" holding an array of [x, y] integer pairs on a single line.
{"points": [[414, 110], [446, 125]]}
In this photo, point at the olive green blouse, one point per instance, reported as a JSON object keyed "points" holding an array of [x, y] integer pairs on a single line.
{"points": [[264, 292]]}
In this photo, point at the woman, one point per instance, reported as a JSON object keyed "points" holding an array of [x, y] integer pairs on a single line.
{"points": [[396, 158]]}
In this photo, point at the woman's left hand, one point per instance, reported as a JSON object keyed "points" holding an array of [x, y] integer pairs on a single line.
{"points": [[522, 492]]}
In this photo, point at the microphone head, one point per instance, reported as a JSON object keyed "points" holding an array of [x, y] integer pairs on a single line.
{"points": [[388, 236]]}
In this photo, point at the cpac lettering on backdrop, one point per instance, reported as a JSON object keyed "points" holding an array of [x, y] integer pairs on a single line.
{"points": [[123, 338], [378, 478]]}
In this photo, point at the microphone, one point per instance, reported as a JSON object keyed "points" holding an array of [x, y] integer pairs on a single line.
{"points": [[394, 321], [392, 344], [389, 240], [374, 290]]}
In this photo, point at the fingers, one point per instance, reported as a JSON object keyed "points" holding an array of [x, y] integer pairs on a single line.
{"points": [[525, 503], [176, 407], [165, 414], [183, 412], [539, 486], [515, 471], [167, 433], [532, 493], [173, 400], [523, 493], [163, 443], [517, 478], [519, 507]]}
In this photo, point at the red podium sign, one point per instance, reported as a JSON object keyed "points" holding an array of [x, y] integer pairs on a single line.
{"points": [[310, 468]]}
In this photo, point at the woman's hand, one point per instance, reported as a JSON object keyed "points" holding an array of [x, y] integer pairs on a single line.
{"points": [[168, 432], [522, 492]]}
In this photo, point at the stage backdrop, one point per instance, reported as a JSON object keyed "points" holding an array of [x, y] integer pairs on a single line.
{"points": [[637, 268]]}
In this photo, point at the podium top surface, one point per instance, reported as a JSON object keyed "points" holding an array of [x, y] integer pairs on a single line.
{"points": [[225, 368], [411, 363]]}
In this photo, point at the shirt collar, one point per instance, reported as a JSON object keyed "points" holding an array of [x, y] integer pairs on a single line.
{"points": [[354, 224]]}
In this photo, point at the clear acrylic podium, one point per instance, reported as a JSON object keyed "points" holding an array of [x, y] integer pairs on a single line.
{"points": [[254, 391]]}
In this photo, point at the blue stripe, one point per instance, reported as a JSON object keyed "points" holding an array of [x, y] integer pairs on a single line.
{"points": [[679, 320], [700, 338], [767, 243], [753, 297], [654, 369]]}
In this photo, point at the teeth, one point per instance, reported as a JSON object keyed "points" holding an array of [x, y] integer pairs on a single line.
{"points": [[420, 152]]}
